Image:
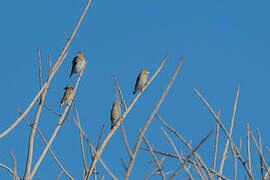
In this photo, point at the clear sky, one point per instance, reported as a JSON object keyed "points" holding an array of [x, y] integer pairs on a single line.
{"points": [[223, 43]]}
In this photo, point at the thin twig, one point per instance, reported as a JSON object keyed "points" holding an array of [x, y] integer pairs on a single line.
{"points": [[189, 161], [260, 144], [34, 126], [191, 154], [248, 148], [54, 69], [216, 142], [176, 151], [58, 177], [147, 123], [120, 92], [39, 68], [122, 125], [9, 170], [83, 155], [93, 149], [99, 140], [154, 158], [50, 63], [230, 132], [66, 35], [106, 140], [187, 145], [115, 92], [14, 165], [57, 128], [45, 142], [226, 133], [154, 170], [50, 109], [260, 152]]}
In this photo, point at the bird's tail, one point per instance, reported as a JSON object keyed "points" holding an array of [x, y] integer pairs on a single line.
{"points": [[134, 92], [70, 75]]}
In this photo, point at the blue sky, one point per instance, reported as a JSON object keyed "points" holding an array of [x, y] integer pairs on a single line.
{"points": [[223, 42]]}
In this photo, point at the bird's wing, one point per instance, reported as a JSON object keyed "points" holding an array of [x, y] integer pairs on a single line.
{"points": [[63, 98], [74, 63], [137, 84]]}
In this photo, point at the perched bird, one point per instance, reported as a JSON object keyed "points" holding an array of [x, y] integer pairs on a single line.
{"points": [[78, 63], [141, 80], [115, 113], [67, 96]]}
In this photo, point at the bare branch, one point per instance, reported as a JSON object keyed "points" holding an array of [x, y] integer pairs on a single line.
{"points": [[99, 140], [120, 92], [176, 151], [154, 170], [154, 158], [45, 142], [191, 154], [216, 143], [260, 152], [104, 143], [189, 161], [147, 123], [248, 148], [77, 122], [83, 155], [58, 177], [57, 127], [34, 127], [260, 144], [50, 109], [230, 132], [187, 145], [39, 68], [122, 125], [226, 133], [54, 69], [9, 170], [14, 165], [66, 35]]}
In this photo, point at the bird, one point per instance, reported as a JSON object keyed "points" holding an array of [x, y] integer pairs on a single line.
{"points": [[141, 80], [67, 96], [78, 63], [115, 112]]}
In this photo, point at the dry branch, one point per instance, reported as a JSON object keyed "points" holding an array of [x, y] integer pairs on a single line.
{"points": [[187, 145], [177, 153], [154, 170], [248, 149], [109, 136], [191, 154], [147, 123], [57, 127], [14, 165], [45, 142], [226, 133], [216, 142], [154, 158], [122, 125], [9, 170], [230, 133], [92, 149], [54, 70], [196, 164]]}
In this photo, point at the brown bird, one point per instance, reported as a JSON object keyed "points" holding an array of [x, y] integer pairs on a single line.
{"points": [[78, 63], [67, 96], [115, 113], [141, 80]]}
